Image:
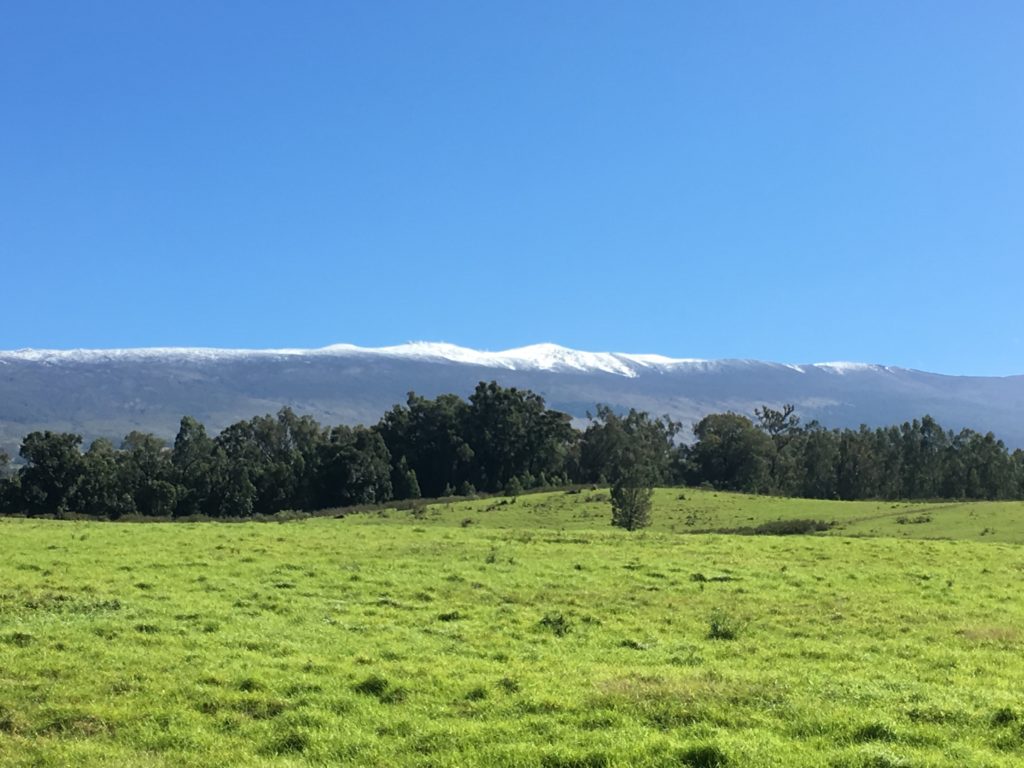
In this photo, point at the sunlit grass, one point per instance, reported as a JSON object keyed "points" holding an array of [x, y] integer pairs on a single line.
{"points": [[517, 634]]}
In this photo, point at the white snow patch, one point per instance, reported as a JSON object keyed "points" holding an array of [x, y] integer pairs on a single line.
{"points": [[543, 357], [842, 367]]}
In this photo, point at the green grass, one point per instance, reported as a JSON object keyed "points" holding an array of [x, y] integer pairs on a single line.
{"points": [[690, 510], [518, 634]]}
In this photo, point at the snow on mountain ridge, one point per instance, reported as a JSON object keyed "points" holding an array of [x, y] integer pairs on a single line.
{"points": [[544, 357]]}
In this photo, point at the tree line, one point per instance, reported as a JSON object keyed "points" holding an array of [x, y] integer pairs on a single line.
{"points": [[499, 440]]}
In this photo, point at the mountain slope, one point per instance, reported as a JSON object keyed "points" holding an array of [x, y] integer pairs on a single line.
{"points": [[111, 392]]}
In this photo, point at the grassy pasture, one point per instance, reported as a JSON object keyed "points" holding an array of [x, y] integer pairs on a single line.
{"points": [[525, 634], [697, 511]]}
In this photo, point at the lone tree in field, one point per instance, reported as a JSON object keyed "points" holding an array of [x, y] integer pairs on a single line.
{"points": [[631, 504], [632, 453]]}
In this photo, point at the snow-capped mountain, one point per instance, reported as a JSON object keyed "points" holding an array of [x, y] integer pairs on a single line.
{"points": [[111, 392]]}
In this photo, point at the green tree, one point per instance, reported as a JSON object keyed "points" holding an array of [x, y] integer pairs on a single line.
{"points": [[431, 436], [147, 474], [53, 467], [858, 470], [513, 434], [404, 483], [101, 490], [631, 503], [731, 453], [631, 452], [783, 427], [818, 461], [194, 463], [10, 490], [923, 443], [277, 456], [355, 468]]}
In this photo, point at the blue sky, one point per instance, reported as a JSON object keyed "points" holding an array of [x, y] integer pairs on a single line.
{"points": [[793, 181]]}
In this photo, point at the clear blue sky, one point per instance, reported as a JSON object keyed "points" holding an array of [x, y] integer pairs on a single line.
{"points": [[794, 181]]}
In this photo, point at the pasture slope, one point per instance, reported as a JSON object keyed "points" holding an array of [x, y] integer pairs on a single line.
{"points": [[525, 633]]}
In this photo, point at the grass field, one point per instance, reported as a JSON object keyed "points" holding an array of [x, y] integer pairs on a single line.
{"points": [[519, 634]]}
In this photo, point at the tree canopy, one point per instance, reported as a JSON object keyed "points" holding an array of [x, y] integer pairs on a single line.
{"points": [[498, 440]]}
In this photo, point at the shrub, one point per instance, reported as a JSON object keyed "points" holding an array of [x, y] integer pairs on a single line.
{"points": [[479, 693], [374, 685], [1004, 716], [724, 626], [556, 623], [395, 695], [381, 688], [631, 505], [10, 722], [790, 527], [508, 685], [513, 487]]}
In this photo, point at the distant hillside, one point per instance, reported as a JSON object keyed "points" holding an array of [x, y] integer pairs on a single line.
{"points": [[111, 392]]}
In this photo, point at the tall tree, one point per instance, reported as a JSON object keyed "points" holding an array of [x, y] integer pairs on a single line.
{"points": [[195, 464], [102, 491], [430, 436], [514, 436], [147, 474], [732, 454], [818, 461], [52, 470], [355, 468], [632, 452]]}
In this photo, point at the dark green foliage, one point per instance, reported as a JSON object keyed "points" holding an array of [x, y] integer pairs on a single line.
{"points": [[722, 625], [790, 527], [874, 732], [1003, 716], [374, 685], [501, 440], [513, 487], [102, 490], [354, 468], [290, 743], [382, 689], [430, 435], [479, 693], [146, 475], [404, 483], [557, 623], [632, 452], [52, 471], [631, 504], [195, 466], [514, 436], [508, 685], [731, 453], [703, 756], [634, 446], [917, 460], [500, 435]]}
